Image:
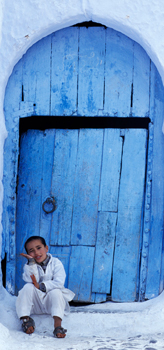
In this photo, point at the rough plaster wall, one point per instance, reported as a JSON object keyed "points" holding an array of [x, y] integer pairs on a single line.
{"points": [[23, 22]]}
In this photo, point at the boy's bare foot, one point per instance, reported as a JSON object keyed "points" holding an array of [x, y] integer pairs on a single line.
{"points": [[28, 325]]}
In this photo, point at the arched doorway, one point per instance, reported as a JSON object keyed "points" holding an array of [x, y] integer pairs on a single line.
{"points": [[100, 178]]}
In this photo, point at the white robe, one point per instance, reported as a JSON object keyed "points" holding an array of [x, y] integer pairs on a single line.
{"points": [[54, 301]]}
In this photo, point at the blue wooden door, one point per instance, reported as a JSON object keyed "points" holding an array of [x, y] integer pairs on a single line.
{"points": [[96, 177]]}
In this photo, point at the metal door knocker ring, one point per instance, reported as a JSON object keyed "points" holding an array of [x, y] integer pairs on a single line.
{"points": [[49, 206]]}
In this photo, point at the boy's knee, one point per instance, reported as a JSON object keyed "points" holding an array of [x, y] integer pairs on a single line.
{"points": [[55, 296], [28, 288], [55, 293]]}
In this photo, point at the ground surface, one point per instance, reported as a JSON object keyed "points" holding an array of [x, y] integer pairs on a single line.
{"points": [[105, 326]]}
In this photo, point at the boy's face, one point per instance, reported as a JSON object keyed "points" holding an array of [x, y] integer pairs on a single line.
{"points": [[37, 250]]}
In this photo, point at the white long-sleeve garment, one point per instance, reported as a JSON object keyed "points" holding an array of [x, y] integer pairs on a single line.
{"points": [[53, 277]]}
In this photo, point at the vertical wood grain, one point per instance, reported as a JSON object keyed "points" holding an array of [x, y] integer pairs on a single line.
{"points": [[157, 221], [141, 82], [131, 195], [81, 269], [64, 72], [63, 177], [110, 175], [104, 252], [118, 74], [91, 71], [29, 194], [46, 179], [86, 187], [36, 76]]}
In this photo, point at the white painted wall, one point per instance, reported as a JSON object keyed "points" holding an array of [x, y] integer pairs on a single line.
{"points": [[23, 22]]}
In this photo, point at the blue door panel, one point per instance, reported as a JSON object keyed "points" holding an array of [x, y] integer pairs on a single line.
{"points": [[126, 257], [36, 77], [156, 246], [140, 92], [62, 185], [86, 189], [80, 272], [64, 71], [118, 68], [46, 178], [73, 166], [91, 71], [110, 175], [99, 297], [29, 193], [104, 252]]}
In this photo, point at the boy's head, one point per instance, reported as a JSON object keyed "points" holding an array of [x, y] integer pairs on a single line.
{"points": [[36, 247]]}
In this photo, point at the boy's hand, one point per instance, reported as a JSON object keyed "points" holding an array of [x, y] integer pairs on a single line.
{"points": [[36, 284], [27, 256]]}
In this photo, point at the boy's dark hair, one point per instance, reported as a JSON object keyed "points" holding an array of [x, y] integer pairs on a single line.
{"points": [[32, 238]]}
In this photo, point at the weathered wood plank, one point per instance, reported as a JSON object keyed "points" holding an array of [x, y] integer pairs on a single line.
{"points": [[63, 178], [99, 298], [29, 76], [104, 252], [148, 190], [63, 254], [80, 272], [64, 72], [118, 74], [112, 152], [141, 82], [42, 64], [36, 76], [129, 216], [86, 189], [29, 193], [46, 178], [91, 70], [157, 220]]}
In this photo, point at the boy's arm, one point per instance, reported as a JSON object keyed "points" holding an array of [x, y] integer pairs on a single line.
{"points": [[30, 269]]}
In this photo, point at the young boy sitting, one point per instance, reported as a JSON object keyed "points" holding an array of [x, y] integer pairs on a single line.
{"points": [[44, 292]]}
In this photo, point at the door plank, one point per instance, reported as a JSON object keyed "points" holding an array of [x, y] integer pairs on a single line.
{"points": [[104, 252], [91, 70], [99, 298], [64, 72], [42, 64], [129, 216], [29, 193], [156, 246], [140, 103], [46, 178], [63, 178], [118, 73], [80, 272], [86, 189], [112, 152], [36, 76]]}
